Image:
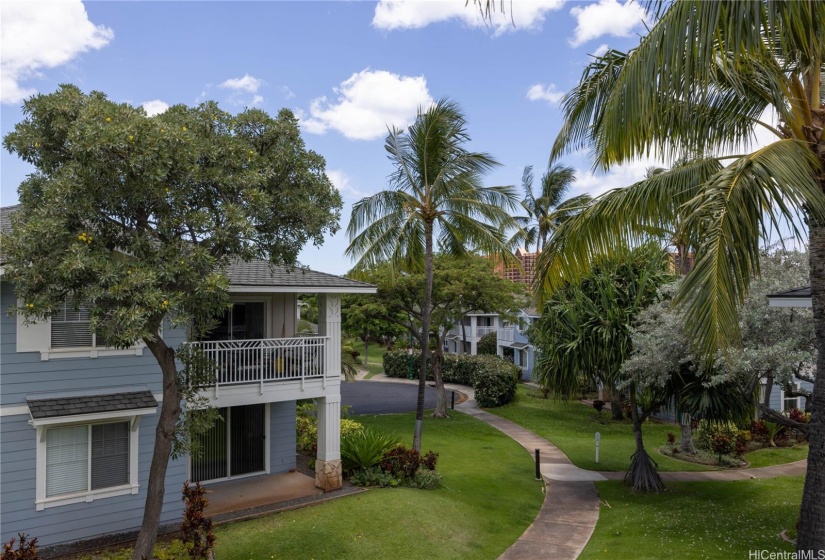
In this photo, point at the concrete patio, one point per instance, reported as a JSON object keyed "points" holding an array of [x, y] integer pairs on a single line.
{"points": [[257, 491]]}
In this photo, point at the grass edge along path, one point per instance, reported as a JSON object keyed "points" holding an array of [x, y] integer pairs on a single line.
{"points": [[488, 498], [571, 426]]}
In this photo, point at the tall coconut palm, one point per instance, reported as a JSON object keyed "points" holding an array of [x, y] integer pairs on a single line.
{"points": [[695, 90], [435, 200]]}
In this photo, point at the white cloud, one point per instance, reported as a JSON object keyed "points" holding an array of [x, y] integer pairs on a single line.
{"points": [[549, 93], [366, 104], [607, 17], [343, 182], [257, 101], [41, 35], [247, 83], [618, 176], [601, 49], [415, 14], [154, 107]]}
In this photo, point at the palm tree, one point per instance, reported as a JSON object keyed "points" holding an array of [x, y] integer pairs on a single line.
{"points": [[694, 90], [435, 201], [550, 209]]}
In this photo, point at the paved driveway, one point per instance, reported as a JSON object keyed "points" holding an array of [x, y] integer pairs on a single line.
{"points": [[384, 397]]}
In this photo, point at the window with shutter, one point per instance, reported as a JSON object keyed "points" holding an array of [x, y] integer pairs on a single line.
{"points": [[71, 328]]}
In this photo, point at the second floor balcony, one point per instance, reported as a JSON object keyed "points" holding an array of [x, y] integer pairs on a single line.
{"points": [[267, 360]]}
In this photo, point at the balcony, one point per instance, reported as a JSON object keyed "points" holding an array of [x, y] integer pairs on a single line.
{"points": [[505, 335], [481, 331], [268, 360]]}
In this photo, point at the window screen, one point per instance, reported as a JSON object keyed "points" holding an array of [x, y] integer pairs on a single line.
{"points": [[70, 328]]}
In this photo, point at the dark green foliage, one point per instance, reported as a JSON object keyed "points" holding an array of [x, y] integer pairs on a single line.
{"points": [[426, 479], [374, 476], [457, 368], [495, 389], [599, 406], [708, 431], [364, 449], [487, 344], [196, 528], [26, 549], [429, 460]]}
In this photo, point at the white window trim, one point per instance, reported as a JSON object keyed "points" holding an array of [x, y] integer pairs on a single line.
{"points": [[43, 424], [37, 337], [782, 401]]}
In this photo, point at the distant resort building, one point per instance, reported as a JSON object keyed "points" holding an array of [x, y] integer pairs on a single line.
{"points": [[523, 274]]}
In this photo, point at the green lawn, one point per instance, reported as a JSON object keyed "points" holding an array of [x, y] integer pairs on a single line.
{"points": [[489, 497], [776, 455], [571, 426], [695, 520], [374, 364]]}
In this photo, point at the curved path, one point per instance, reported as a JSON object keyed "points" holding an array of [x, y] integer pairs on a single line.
{"points": [[570, 510]]}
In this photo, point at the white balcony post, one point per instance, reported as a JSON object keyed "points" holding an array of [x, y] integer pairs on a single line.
{"points": [[474, 337], [329, 325], [328, 461]]}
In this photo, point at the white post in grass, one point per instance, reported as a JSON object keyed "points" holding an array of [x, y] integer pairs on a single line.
{"points": [[598, 440]]}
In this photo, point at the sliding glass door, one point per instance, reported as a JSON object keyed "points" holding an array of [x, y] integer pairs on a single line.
{"points": [[234, 446]]}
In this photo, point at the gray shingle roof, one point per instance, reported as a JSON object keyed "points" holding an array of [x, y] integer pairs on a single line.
{"points": [[90, 404], [259, 273]]}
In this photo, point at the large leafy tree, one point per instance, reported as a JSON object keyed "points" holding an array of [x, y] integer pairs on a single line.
{"points": [[694, 91], [584, 333], [138, 217], [361, 316], [435, 201]]}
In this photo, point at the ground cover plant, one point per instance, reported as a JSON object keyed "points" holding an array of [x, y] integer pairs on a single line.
{"points": [[695, 520], [571, 426]]}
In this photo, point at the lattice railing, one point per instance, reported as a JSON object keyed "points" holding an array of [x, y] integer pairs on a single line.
{"points": [[267, 359]]}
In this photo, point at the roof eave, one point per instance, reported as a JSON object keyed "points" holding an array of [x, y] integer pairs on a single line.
{"points": [[248, 289]]}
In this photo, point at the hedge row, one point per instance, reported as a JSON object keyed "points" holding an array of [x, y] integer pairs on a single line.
{"points": [[493, 379]]}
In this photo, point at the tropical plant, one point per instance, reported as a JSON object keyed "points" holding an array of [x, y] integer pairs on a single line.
{"points": [[196, 528], [435, 202], [364, 449], [585, 331], [694, 91]]}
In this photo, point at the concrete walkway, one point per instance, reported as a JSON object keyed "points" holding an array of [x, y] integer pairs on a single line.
{"points": [[570, 510]]}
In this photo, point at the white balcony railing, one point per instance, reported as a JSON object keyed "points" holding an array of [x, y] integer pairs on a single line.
{"points": [[481, 331], [505, 335], [267, 360]]}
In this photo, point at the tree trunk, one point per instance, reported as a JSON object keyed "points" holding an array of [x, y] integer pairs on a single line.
{"points": [[440, 393], [686, 445], [426, 312], [642, 475], [768, 389], [812, 512], [366, 352], [616, 404], [164, 436]]}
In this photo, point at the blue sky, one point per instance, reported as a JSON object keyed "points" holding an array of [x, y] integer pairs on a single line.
{"points": [[348, 69]]}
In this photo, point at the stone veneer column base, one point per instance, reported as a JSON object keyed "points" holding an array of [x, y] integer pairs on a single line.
{"points": [[328, 475]]}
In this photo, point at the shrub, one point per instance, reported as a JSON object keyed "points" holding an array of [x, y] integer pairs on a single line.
{"points": [[707, 431], [743, 438], [457, 368], [671, 439], [759, 431], [427, 479], [26, 549], [429, 460], [494, 389], [799, 416], [374, 476], [364, 449], [773, 432], [306, 426], [488, 344], [401, 461], [721, 444], [599, 406], [196, 528]]}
